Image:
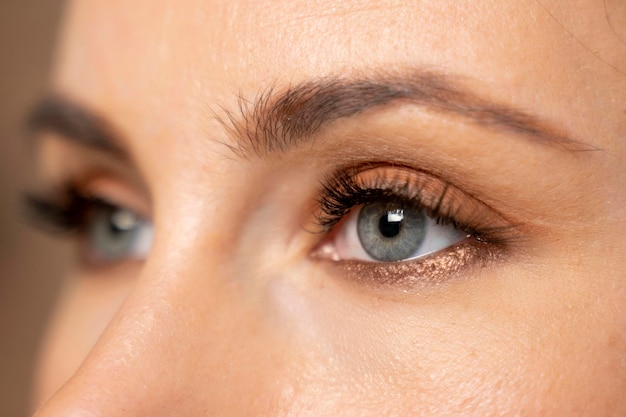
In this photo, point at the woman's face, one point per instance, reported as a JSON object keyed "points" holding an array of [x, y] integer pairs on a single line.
{"points": [[338, 208]]}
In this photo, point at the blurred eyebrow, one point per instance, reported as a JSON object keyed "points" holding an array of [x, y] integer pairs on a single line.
{"points": [[279, 120], [72, 121]]}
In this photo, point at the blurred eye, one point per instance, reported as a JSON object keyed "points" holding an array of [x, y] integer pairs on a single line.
{"points": [[114, 234], [107, 232], [392, 231]]}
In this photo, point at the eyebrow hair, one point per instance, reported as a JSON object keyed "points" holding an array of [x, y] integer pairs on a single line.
{"points": [[58, 114], [279, 120]]}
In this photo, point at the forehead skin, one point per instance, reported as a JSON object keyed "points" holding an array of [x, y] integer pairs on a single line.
{"points": [[157, 68]]}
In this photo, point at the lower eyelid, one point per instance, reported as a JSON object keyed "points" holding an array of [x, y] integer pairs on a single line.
{"points": [[436, 268]]}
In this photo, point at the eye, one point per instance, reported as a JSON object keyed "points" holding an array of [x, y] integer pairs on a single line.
{"points": [[392, 231], [113, 234], [107, 233], [375, 216]]}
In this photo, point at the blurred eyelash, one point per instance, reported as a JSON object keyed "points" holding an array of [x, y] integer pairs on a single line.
{"points": [[63, 211], [344, 191]]}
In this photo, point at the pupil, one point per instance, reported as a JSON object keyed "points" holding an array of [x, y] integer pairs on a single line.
{"points": [[390, 224]]}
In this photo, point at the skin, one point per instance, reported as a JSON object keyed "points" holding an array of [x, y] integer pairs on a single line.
{"points": [[232, 315]]}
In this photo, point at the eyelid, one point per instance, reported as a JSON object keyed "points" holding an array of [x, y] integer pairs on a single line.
{"points": [[438, 268], [79, 214], [117, 193], [64, 164]]}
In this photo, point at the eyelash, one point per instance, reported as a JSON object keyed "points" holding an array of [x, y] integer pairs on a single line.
{"points": [[64, 211], [343, 191]]}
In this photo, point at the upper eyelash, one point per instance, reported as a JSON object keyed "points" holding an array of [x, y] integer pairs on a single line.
{"points": [[63, 211], [342, 192]]}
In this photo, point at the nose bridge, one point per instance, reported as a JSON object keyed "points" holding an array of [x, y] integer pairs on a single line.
{"points": [[171, 348]]}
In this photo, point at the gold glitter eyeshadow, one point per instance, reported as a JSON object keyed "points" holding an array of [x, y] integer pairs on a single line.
{"points": [[430, 270]]}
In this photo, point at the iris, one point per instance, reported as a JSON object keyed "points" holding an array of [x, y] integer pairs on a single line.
{"points": [[389, 232]]}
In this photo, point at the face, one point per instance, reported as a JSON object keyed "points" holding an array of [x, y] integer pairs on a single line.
{"points": [[338, 208]]}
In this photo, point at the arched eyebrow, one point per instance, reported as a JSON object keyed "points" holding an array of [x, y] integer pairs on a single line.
{"points": [[277, 121]]}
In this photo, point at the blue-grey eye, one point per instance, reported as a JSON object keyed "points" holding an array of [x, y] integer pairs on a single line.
{"points": [[391, 232], [116, 234]]}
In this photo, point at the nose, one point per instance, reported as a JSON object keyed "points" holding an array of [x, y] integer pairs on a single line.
{"points": [[186, 342]]}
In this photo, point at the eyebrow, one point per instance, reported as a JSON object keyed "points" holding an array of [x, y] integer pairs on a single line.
{"points": [[277, 121], [57, 114]]}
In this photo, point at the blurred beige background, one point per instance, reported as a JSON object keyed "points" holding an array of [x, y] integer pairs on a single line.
{"points": [[30, 264]]}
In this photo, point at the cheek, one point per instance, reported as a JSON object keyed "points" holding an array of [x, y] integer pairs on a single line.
{"points": [[507, 345], [500, 345]]}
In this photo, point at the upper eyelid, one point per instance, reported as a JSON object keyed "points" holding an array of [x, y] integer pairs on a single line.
{"points": [[349, 177], [117, 192], [64, 165], [65, 209], [62, 204]]}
